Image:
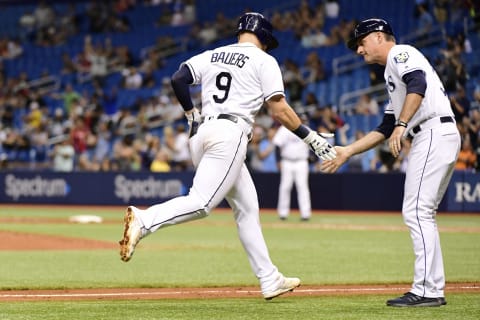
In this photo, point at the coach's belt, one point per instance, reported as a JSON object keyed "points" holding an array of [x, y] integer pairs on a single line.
{"points": [[426, 123], [230, 117]]}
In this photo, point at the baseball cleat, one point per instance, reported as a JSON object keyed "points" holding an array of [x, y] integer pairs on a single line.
{"points": [[132, 233], [286, 285], [412, 300]]}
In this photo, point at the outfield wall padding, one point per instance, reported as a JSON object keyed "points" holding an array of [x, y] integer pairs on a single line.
{"points": [[342, 191]]}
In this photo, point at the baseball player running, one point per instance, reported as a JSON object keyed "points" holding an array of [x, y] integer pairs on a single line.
{"points": [[236, 80], [419, 110]]}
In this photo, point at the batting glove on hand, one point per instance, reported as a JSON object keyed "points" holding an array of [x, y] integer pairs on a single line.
{"points": [[194, 119], [320, 146]]}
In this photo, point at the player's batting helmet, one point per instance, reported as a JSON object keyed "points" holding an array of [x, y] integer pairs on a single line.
{"points": [[256, 23], [366, 27]]}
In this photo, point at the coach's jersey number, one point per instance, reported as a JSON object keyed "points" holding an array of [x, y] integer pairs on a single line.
{"points": [[223, 82]]}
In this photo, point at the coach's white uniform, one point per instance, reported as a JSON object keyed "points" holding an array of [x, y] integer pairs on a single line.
{"points": [[435, 147], [293, 169], [236, 79]]}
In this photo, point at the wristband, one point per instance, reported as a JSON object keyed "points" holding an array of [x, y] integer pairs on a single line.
{"points": [[401, 123], [302, 131]]}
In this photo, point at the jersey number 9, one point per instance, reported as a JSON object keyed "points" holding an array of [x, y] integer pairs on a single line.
{"points": [[223, 82]]}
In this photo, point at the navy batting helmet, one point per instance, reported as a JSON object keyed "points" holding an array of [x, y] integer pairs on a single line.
{"points": [[256, 23], [366, 27]]}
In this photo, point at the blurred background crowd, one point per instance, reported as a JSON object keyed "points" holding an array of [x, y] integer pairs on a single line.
{"points": [[85, 85]]}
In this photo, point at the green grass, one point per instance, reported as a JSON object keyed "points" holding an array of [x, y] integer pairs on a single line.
{"points": [[368, 307], [330, 249]]}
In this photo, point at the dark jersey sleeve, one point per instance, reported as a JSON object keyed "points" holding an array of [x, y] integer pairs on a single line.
{"points": [[181, 81]]}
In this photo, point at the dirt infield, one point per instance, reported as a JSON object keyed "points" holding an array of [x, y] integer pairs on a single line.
{"points": [[212, 293], [28, 241]]}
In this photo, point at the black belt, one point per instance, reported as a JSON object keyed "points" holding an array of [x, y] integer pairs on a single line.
{"points": [[232, 118], [418, 127], [228, 117]]}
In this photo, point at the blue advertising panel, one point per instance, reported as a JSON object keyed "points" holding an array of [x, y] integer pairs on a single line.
{"points": [[92, 188], [343, 191], [463, 193]]}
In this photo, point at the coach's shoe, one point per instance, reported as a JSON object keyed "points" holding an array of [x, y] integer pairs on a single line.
{"points": [[412, 300], [282, 286], [132, 233]]}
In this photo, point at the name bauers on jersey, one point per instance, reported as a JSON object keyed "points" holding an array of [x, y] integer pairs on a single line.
{"points": [[231, 58]]}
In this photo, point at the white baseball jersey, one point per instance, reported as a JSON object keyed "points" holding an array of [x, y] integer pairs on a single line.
{"points": [[236, 79], [403, 59], [431, 160], [291, 146], [293, 170]]}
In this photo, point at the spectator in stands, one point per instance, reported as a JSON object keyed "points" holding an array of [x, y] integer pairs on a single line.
{"points": [[341, 32], [294, 83], [79, 135], [10, 48], [208, 33], [180, 159], [98, 63], [58, 125], [6, 116], [266, 151], [161, 162], [152, 144], [44, 17], [264, 119], [281, 22], [39, 146], [172, 110], [124, 122], [424, 22], [460, 104], [313, 69], [467, 158], [149, 80], [332, 9], [366, 105], [253, 160], [330, 119], [63, 155], [126, 155], [312, 107], [190, 11], [223, 25], [35, 117], [178, 16], [132, 78], [69, 96]]}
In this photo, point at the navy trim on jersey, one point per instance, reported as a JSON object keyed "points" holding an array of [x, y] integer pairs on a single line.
{"points": [[274, 94], [387, 125], [181, 81], [418, 219], [416, 82]]}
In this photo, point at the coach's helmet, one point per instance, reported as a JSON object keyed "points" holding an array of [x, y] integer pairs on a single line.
{"points": [[366, 27], [256, 23]]}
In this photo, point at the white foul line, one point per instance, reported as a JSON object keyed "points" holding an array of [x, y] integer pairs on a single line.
{"points": [[200, 292]]}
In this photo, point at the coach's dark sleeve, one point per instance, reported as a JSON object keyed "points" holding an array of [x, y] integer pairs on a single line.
{"points": [[416, 82], [387, 125], [181, 81]]}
